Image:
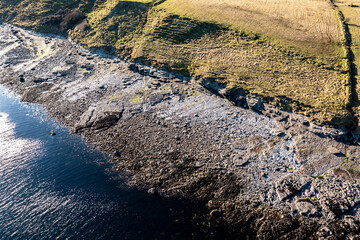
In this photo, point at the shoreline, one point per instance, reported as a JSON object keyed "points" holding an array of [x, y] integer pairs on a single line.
{"points": [[261, 169]]}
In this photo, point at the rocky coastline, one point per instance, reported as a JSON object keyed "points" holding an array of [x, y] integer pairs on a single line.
{"points": [[269, 174]]}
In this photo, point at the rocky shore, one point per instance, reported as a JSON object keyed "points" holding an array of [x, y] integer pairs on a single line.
{"points": [[269, 174]]}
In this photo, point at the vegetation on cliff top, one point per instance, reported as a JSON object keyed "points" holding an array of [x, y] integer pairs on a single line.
{"points": [[293, 59], [306, 24]]}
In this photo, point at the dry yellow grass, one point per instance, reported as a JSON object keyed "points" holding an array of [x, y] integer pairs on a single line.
{"points": [[314, 84], [309, 24], [351, 11]]}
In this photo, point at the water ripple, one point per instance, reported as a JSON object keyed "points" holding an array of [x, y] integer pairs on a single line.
{"points": [[56, 187]]}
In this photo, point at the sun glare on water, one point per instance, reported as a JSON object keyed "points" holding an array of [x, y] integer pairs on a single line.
{"points": [[12, 148]]}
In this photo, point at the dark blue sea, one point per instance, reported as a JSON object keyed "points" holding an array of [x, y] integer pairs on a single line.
{"points": [[59, 187]]}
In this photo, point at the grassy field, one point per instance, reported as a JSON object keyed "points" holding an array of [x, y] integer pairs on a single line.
{"points": [[307, 24], [351, 10], [313, 86], [288, 52]]}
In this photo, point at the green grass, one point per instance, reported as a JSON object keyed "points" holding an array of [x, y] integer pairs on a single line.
{"points": [[313, 86], [240, 59]]}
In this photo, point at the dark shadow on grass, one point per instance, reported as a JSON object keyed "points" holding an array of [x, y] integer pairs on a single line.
{"points": [[158, 2], [353, 25], [177, 30]]}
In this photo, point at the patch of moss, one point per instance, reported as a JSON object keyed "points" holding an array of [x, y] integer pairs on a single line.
{"points": [[136, 100]]}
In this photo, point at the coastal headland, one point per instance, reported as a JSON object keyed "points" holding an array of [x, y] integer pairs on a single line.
{"points": [[263, 129]]}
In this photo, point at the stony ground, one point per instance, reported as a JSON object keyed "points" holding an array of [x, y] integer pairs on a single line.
{"points": [[270, 174]]}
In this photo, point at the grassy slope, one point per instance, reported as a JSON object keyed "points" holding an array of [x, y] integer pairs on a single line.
{"points": [[289, 77], [351, 10], [243, 61], [26, 13]]}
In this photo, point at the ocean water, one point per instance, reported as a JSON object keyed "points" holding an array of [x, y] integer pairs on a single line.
{"points": [[58, 187]]}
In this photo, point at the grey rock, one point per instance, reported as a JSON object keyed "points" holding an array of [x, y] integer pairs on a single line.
{"points": [[152, 191], [291, 185], [215, 213], [254, 103]]}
